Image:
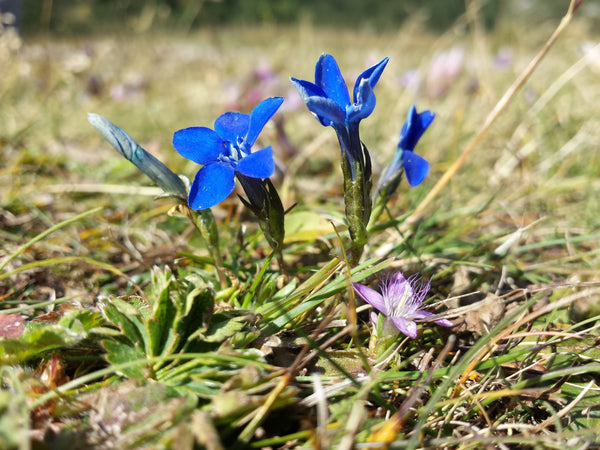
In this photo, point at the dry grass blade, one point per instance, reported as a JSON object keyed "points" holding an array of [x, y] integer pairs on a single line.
{"points": [[527, 319], [391, 428], [492, 116], [49, 231], [563, 412]]}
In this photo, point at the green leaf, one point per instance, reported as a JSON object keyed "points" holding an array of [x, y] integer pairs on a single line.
{"points": [[125, 307], [285, 290], [118, 352], [161, 326], [106, 332], [199, 306], [282, 314], [161, 279], [126, 318], [305, 226], [81, 319], [38, 339], [222, 327], [585, 415]]}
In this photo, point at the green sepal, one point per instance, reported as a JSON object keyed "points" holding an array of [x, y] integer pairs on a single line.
{"points": [[357, 198]]}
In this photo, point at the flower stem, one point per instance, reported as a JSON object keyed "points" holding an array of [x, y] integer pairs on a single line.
{"points": [[383, 195], [205, 223], [357, 198]]}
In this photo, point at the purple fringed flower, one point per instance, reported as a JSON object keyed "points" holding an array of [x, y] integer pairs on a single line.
{"points": [[401, 301]]}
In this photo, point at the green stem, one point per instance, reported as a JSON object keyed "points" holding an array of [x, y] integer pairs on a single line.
{"points": [[357, 209], [205, 222]]}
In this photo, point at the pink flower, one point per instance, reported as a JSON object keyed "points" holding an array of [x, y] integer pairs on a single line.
{"points": [[443, 71], [401, 301]]}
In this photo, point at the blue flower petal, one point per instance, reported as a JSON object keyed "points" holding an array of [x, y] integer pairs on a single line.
{"points": [[364, 105], [212, 184], [307, 89], [414, 127], [259, 117], [415, 167], [259, 164], [329, 78], [373, 74], [199, 144], [232, 125], [328, 112]]}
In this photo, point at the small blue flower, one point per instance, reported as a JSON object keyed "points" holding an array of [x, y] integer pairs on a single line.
{"points": [[400, 301], [415, 167], [328, 96], [225, 152]]}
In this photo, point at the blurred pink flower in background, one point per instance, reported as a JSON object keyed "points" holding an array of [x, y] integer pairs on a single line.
{"points": [[503, 59], [133, 88], [262, 81], [410, 80], [444, 68]]}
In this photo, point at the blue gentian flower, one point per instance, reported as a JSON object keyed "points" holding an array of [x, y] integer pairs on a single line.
{"points": [[329, 100], [328, 96], [400, 301], [415, 167], [225, 152]]}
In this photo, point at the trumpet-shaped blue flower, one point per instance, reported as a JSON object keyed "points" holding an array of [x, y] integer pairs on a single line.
{"points": [[400, 301], [329, 100], [415, 167], [225, 152], [328, 96]]}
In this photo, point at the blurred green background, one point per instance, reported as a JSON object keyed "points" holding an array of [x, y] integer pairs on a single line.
{"points": [[68, 17]]}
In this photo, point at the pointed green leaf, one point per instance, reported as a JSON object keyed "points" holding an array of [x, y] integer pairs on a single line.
{"points": [[121, 320], [199, 305], [118, 352], [84, 320], [222, 327], [161, 326]]}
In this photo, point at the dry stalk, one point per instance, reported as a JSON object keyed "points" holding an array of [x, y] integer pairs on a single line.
{"points": [[493, 115]]}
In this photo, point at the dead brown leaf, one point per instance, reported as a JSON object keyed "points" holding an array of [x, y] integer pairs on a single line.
{"points": [[481, 316]]}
